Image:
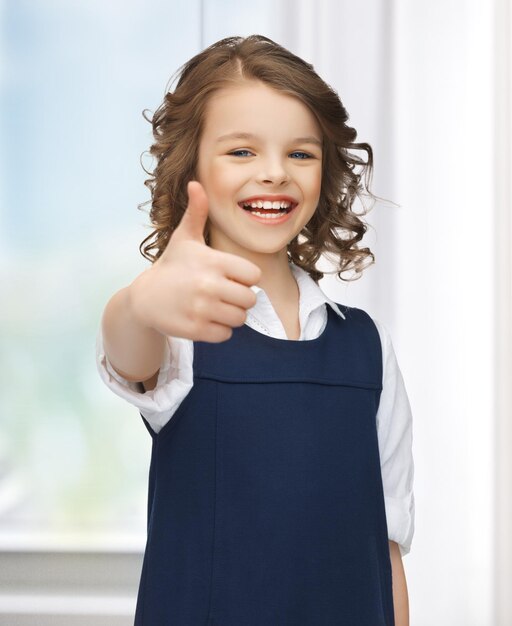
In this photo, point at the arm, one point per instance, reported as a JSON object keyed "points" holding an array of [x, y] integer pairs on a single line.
{"points": [[400, 596], [190, 291], [134, 350], [174, 381]]}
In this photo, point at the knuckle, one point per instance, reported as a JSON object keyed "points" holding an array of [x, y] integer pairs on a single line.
{"points": [[227, 334], [206, 284], [218, 334], [200, 307], [215, 260], [242, 318]]}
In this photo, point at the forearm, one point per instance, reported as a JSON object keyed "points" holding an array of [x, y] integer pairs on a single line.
{"points": [[400, 595], [134, 351]]}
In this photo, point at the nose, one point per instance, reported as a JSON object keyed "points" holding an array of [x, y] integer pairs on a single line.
{"points": [[273, 172]]}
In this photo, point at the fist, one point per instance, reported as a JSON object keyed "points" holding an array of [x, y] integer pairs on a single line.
{"points": [[192, 290]]}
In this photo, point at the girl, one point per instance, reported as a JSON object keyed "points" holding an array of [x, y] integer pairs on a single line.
{"points": [[280, 484]]}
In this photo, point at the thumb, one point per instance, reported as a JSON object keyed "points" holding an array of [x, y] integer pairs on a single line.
{"points": [[193, 221]]}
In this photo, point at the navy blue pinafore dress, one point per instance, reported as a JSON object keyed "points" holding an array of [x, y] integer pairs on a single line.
{"points": [[265, 504]]}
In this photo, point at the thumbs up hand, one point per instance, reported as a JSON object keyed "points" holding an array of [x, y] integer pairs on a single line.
{"points": [[192, 290], [193, 221]]}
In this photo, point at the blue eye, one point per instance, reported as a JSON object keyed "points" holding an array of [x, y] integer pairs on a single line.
{"points": [[304, 154], [236, 152]]}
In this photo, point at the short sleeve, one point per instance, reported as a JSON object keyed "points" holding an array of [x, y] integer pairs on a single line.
{"points": [[175, 379], [394, 428]]}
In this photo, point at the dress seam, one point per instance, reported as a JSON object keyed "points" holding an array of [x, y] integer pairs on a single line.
{"points": [[282, 379]]}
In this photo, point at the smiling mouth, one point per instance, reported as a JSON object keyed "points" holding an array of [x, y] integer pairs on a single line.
{"points": [[266, 207]]}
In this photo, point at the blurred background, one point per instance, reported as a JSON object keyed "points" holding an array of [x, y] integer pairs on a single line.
{"points": [[427, 84]]}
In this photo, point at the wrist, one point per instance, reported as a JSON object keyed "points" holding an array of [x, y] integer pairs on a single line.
{"points": [[133, 348], [136, 304]]}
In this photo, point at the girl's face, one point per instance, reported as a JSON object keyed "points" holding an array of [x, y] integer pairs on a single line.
{"points": [[279, 157]]}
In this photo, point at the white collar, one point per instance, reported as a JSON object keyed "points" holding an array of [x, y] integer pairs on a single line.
{"points": [[310, 295]]}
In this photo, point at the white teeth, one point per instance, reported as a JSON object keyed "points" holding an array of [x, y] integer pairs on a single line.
{"points": [[268, 216], [267, 204], [278, 205]]}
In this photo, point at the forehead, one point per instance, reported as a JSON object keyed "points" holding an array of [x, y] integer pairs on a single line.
{"points": [[254, 107]]}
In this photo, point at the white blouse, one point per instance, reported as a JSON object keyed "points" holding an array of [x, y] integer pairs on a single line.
{"points": [[394, 419]]}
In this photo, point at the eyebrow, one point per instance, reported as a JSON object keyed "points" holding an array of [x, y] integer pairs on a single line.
{"points": [[240, 135]]}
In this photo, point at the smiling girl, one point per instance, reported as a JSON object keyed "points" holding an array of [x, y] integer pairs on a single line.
{"points": [[281, 476]]}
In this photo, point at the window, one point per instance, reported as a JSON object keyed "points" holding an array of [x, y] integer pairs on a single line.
{"points": [[76, 78]]}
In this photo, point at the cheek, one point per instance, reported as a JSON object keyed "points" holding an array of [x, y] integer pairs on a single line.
{"points": [[315, 189], [209, 171], [218, 177], [314, 181]]}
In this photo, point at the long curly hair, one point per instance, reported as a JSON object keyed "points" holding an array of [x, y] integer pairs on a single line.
{"points": [[335, 228]]}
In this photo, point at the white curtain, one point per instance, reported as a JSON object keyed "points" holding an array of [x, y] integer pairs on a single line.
{"points": [[420, 84]]}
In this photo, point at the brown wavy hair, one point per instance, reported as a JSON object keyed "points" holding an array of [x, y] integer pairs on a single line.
{"points": [[335, 228]]}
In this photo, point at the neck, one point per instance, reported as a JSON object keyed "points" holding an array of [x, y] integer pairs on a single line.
{"points": [[277, 279]]}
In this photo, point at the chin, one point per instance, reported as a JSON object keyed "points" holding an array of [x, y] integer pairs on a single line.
{"points": [[267, 249]]}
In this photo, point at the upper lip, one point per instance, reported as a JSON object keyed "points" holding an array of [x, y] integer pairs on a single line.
{"points": [[271, 198]]}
